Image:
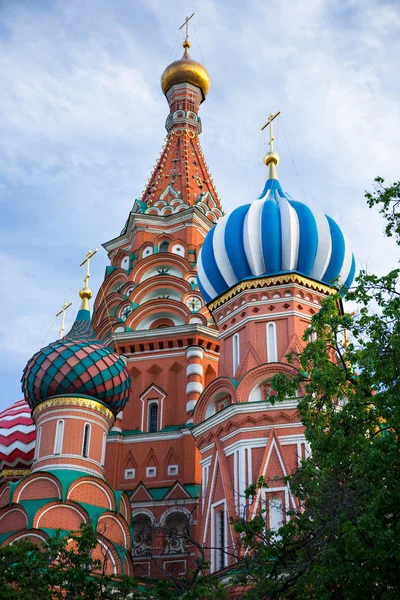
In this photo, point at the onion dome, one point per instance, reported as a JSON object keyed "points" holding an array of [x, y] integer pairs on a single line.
{"points": [[77, 364], [271, 236], [17, 436], [186, 70]]}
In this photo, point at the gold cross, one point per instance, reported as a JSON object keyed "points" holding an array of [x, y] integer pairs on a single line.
{"points": [[271, 135], [62, 311], [87, 261], [187, 26]]}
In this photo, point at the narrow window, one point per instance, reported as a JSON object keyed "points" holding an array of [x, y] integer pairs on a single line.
{"points": [[236, 352], [153, 417], [86, 440], [59, 437], [275, 514], [164, 247], [103, 449], [38, 440], [220, 538], [272, 351]]}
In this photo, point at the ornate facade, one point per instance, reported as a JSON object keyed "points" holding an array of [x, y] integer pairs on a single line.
{"points": [[196, 313]]}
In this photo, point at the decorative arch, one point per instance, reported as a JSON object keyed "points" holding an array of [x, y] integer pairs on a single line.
{"points": [[113, 564], [4, 493], [33, 535], [219, 385], [13, 518], [175, 509], [124, 507], [37, 486], [153, 262], [60, 515], [145, 315], [114, 528], [258, 375], [93, 491]]}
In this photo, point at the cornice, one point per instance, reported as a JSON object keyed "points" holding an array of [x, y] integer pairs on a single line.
{"points": [[241, 407], [263, 282], [74, 401], [149, 334], [135, 220]]}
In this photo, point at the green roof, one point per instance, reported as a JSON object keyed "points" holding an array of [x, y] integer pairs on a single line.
{"points": [[158, 493], [192, 489]]}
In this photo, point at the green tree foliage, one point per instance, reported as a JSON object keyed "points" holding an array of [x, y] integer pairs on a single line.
{"points": [[343, 542], [61, 568]]}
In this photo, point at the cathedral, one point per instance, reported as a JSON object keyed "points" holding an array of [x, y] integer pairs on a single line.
{"points": [[153, 414]]}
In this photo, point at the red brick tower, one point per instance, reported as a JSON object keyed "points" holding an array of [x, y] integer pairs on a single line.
{"points": [[264, 271], [150, 309]]}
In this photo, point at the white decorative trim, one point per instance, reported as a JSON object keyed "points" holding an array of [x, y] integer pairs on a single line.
{"points": [[195, 352], [60, 505], [104, 490], [194, 369], [190, 405], [66, 466], [194, 387], [240, 407], [129, 474], [173, 469]]}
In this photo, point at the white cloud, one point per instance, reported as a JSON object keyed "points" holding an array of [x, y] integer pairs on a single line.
{"points": [[82, 121]]}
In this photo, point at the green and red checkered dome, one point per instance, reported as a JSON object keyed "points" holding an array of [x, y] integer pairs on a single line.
{"points": [[77, 364]]}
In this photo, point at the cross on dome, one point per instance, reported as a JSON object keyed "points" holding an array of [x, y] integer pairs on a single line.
{"points": [[272, 158]]}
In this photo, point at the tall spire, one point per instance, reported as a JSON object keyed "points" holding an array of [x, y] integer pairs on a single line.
{"points": [[86, 293], [180, 178], [272, 158]]}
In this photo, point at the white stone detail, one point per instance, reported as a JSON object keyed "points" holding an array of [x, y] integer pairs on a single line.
{"points": [[195, 352], [190, 405], [194, 387], [194, 370]]}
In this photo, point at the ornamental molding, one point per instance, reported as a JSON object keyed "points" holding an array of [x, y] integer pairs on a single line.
{"points": [[71, 401], [251, 284], [15, 473]]}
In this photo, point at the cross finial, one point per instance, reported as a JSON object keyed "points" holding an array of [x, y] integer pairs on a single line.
{"points": [[271, 133], [62, 312], [186, 43], [86, 292], [272, 158]]}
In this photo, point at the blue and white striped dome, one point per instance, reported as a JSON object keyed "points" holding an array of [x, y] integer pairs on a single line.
{"points": [[271, 236]]}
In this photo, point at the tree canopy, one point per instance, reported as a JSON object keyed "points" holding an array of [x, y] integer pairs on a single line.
{"points": [[344, 541]]}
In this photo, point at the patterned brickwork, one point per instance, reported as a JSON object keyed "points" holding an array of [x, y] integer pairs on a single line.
{"points": [[17, 436]]}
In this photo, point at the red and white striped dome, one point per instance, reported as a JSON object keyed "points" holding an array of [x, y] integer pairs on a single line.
{"points": [[17, 436]]}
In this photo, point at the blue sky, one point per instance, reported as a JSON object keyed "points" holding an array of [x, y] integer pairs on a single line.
{"points": [[82, 124]]}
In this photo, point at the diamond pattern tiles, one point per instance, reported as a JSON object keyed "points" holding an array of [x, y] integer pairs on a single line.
{"points": [[77, 364]]}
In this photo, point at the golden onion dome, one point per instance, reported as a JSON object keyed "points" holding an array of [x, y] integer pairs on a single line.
{"points": [[186, 70]]}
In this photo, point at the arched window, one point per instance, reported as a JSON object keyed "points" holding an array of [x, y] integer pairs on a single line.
{"points": [[86, 440], [103, 449], [153, 417], [272, 350], [164, 246], [236, 352], [37, 446], [176, 534], [142, 536], [59, 437]]}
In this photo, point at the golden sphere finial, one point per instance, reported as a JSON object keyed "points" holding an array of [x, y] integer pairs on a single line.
{"points": [[271, 157], [86, 292]]}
